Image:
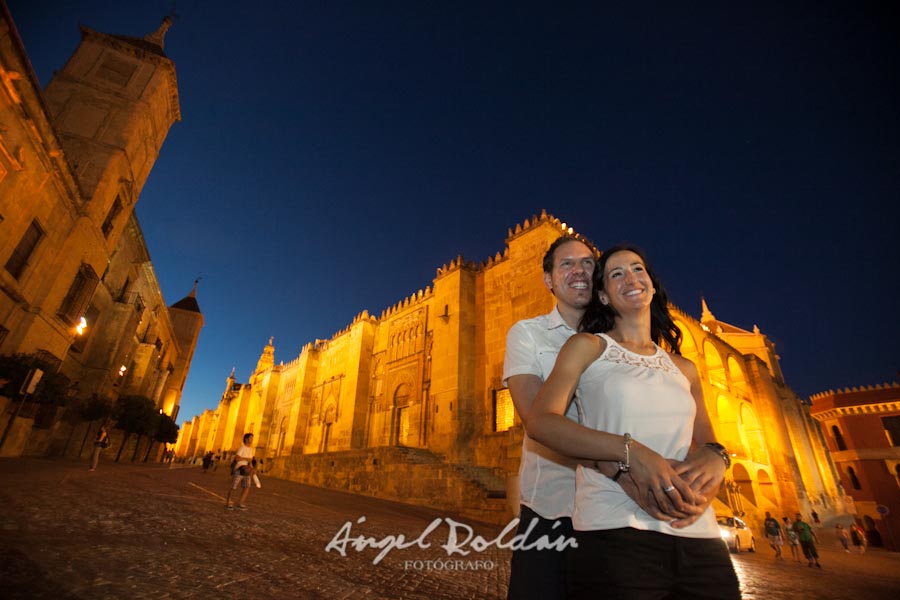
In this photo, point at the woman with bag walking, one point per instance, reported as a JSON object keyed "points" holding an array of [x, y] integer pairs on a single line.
{"points": [[101, 443]]}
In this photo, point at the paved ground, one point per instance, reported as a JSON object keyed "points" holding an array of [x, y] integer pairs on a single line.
{"points": [[873, 576], [147, 531]]}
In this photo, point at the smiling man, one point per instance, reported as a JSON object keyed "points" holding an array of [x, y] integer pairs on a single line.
{"points": [[546, 479]]}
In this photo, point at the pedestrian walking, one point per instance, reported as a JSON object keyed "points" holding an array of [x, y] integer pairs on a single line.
{"points": [[792, 539], [773, 534], [101, 443], [843, 537], [242, 473], [808, 540]]}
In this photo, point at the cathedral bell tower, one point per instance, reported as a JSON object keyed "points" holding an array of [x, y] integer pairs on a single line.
{"points": [[112, 105], [267, 358], [187, 320]]}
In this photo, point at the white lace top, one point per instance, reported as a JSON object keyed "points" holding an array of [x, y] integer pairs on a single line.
{"points": [[650, 398]]}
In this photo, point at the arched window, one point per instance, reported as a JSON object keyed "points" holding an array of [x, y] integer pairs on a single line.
{"points": [[728, 430], [738, 379], [401, 395], [754, 434], [715, 368], [838, 438], [851, 473]]}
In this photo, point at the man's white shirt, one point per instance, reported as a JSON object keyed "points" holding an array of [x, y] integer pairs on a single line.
{"points": [[546, 479], [243, 455]]}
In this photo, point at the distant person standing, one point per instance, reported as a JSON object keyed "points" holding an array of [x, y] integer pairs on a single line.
{"points": [[842, 536], [101, 443], [792, 538], [815, 518], [858, 537], [808, 540], [242, 474], [773, 534]]}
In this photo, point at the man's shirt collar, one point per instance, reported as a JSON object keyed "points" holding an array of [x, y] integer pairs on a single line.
{"points": [[555, 320]]}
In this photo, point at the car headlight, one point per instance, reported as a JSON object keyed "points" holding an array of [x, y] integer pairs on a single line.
{"points": [[725, 534]]}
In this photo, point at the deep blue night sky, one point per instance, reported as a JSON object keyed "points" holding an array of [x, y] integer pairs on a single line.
{"points": [[333, 154]]}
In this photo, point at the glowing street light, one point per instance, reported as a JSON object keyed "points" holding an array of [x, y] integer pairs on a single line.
{"points": [[82, 325]]}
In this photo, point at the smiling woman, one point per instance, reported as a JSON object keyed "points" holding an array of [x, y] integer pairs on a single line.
{"points": [[643, 408]]}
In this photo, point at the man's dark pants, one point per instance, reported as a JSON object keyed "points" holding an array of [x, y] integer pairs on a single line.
{"points": [[539, 574]]}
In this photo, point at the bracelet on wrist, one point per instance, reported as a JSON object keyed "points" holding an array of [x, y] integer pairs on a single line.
{"points": [[721, 451], [625, 466]]}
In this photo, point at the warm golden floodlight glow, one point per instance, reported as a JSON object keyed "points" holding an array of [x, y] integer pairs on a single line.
{"points": [[505, 412], [82, 325]]}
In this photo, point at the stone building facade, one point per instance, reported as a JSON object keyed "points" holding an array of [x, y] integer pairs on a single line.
{"points": [[77, 286], [862, 429], [410, 404]]}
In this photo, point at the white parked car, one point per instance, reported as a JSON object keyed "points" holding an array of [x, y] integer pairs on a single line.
{"points": [[736, 535]]}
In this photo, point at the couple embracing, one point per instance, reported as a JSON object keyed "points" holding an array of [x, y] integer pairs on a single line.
{"points": [[619, 450]]}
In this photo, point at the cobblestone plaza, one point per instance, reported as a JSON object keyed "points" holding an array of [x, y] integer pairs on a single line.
{"points": [[149, 531]]}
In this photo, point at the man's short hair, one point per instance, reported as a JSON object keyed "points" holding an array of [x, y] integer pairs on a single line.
{"points": [[247, 436], [563, 239]]}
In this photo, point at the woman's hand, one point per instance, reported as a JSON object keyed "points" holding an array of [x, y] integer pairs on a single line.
{"points": [[703, 470], [646, 502], [657, 480]]}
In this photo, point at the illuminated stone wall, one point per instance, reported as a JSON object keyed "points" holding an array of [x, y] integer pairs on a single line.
{"points": [[73, 161], [778, 461], [426, 374]]}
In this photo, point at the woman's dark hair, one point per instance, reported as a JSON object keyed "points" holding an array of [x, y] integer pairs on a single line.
{"points": [[600, 318]]}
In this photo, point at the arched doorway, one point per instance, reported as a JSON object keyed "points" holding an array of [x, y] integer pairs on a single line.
{"points": [[401, 415], [872, 535], [766, 486], [328, 423]]}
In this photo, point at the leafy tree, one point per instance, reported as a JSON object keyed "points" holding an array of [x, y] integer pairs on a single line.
{"points": [[96, 408], [135, 415], [166, 433]]}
